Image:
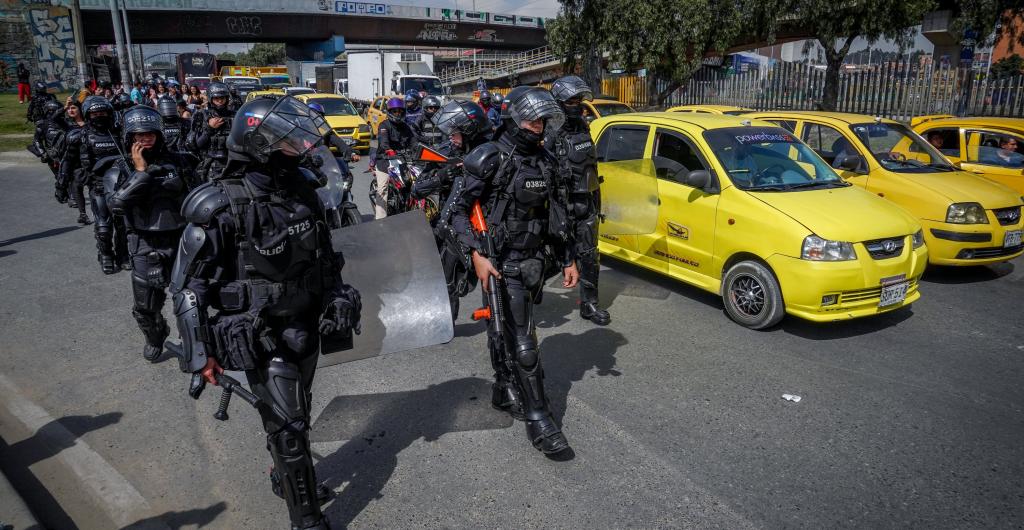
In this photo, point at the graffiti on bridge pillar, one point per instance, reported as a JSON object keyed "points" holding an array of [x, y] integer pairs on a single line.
{"points": [[54, 43]]}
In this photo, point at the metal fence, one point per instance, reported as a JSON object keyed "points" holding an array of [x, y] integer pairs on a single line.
{"points": [[502, 67], [894, 90]]}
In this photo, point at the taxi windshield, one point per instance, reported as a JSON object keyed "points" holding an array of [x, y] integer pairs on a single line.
{"points": [[769, 159], [899, 149], [334, 106], [611, 109]]}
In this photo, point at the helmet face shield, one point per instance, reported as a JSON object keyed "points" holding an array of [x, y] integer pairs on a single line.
{"points": [[464, 117], [571, 87], [536, 104], [291, 128]]}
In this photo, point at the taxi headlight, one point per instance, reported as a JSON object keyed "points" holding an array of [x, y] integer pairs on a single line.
{"points": [[365, 129], [818, 249], [966, 213], [918, 239]]}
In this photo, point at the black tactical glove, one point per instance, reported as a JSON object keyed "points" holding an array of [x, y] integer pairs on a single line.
{"points": [[343, 312]]}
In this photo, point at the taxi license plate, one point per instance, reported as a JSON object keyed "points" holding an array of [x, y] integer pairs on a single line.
{"points": [[893, 294], [1012, 239]]}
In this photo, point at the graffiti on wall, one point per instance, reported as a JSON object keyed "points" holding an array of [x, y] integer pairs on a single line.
{"points": [[54, 43]]}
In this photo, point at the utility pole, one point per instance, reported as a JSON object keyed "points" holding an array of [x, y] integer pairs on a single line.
{"points": [[76, 26], [121, 53], [128, 42]]}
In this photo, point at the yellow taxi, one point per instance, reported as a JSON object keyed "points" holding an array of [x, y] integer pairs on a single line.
{"points": [[711, 109], [268, 93], [991, 147], [745, 210], [967, 219], [343, 118], [599, 108], [377, 113]]}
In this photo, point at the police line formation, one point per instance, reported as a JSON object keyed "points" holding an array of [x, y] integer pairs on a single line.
{"points": [[223, 212]]}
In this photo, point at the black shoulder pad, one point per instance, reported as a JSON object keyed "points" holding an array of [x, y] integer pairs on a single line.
{"points": [[75, 135], [483, 161], [204, 202]]}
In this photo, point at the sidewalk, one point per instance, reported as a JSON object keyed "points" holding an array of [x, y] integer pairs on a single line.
{"points": [[14, 514]]}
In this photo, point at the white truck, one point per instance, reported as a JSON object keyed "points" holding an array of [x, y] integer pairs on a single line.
{"points": [[303, 73], [376, 73]]}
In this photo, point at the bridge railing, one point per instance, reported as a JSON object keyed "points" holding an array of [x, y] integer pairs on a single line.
{"points": [[511, 65], [898, 91]]}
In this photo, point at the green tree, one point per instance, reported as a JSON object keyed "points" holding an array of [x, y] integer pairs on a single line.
{"points": [[987, 18], [576, 36], [836, 25], [1007, 67], [262, 54], [227, 56]]}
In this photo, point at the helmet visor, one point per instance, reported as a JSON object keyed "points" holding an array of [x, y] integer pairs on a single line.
{"points": [[537, 105], [290, 127]]}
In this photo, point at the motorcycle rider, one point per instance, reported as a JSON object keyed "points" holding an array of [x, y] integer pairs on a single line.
{"points": [[484, 100], [47, 139], [466, 127], [513, 179], [494, 114], [413, 107], [96, 142], [153, 186], [577, 163], [426, 131], [394, 136], [257, 249], [209, 134]]}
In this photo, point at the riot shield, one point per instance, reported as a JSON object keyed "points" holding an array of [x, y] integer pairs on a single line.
{"points": [[629, 197], [324, 163], [394, 264]]}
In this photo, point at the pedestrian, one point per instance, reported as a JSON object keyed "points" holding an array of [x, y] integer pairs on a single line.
{"points": [[137, 93], [24, 89]]}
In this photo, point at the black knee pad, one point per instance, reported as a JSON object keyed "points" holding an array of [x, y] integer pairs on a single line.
{"points": [[287, 395], [148, 299], [526, 353]]}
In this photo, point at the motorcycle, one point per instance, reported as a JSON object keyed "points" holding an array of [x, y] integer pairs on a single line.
{"points": [[401, 175]]}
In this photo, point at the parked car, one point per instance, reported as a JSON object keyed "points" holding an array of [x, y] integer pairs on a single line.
{"points": [[990, 147], [343, 119], [967, 219], [747, 211]]}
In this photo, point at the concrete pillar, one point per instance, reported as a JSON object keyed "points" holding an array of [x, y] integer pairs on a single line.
{"points": [[119, 42], [76, 27], [128, 42]]}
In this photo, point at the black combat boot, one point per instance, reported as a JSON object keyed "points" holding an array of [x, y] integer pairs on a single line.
{"points": [[590, 311]]}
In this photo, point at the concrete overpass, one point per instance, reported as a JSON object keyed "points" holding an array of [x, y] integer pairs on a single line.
{"points": [[308, 21]]}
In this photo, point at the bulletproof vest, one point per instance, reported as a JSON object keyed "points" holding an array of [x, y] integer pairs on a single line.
{"points": [[429, 133], [219, 138], [577, 161], [174, 135], [162, 208], [278, 257], [98, 145], [528, 183], [54, 138]]}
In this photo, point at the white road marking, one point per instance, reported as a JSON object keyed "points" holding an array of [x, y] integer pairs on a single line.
{"points": [[110, 490]]}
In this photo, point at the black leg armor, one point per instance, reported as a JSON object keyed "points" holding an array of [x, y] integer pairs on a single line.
{"points": [[285, 387], [103, 230], [588, 259], [151, 262]]}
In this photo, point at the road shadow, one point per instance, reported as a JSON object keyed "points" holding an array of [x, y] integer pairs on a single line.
{"points": [[843, 329], [958, 275], [378, 427], [5, 253], [39, 235], [569, 358], [198, 517], [49, 440]]}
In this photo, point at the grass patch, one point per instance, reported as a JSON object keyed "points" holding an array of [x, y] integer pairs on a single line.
{"points": [[14, 144], [12, 115]]}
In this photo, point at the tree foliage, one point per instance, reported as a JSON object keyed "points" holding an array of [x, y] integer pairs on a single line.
{"points": [[983, 17], [1007, 67], [261, 54]]}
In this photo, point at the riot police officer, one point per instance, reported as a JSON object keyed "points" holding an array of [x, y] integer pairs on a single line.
{"points": [[47, 139], [40, 96], [577, 163], [257, 249], [149, 198], [465, 125], [426, 131], [513, 178], [88, 150], [210, 129], [175, 129]]}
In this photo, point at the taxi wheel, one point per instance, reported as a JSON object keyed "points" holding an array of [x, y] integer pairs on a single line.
{"points": [[752, 295]]}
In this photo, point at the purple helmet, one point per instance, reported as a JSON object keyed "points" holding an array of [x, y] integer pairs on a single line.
{"points": [[396, 104]]}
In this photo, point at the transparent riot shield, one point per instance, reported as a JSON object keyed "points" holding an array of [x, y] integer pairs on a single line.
{"points": [[394, 264], [629, 197]]}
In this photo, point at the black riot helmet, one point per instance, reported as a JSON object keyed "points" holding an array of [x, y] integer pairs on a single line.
{"points": [[123, 101], [267, 127], [168, 109], [141, 119], [524, 104], [40, 87], [570, 91], [464, 117], [51, 108], [218, 90], [98, 112], [431, 104]]}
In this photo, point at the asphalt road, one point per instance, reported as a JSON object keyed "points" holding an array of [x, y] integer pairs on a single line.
{"points": [[912, 419]]}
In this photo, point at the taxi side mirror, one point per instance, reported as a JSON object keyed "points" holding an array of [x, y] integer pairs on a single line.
{"points": [[698, 179], [851, 163]]}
